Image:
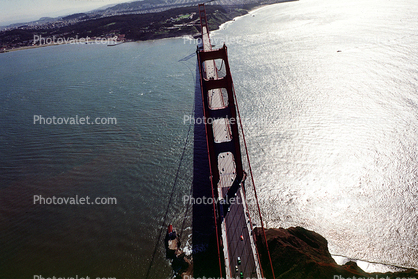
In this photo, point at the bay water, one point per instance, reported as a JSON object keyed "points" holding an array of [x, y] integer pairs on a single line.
{"points": [[328, 92]]}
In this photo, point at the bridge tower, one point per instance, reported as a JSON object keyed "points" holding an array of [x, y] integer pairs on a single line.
{"points": [[236, 242]]}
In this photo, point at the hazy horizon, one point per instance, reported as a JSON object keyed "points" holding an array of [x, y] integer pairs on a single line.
{"points": [[11, 12]]}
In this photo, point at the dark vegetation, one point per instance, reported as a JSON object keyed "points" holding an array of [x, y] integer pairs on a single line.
{"points": [[170, 23]]}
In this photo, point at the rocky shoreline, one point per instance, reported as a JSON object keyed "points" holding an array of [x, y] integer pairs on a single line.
{"points": [[298, 253]]}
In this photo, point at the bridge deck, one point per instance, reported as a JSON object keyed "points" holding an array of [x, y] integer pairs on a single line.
{"points": [[239, 251]]}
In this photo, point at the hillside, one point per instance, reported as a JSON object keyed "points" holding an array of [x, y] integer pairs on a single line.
{"points": [[128, 27]]}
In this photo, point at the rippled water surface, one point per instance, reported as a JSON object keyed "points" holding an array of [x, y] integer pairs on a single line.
{"points": [[134, 161], [329, 92], [329, 95]]}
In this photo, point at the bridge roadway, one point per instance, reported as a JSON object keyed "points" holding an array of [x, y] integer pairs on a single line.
{"points": [[237, 242]]}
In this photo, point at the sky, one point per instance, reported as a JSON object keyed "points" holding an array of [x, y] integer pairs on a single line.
{"points": [[20, 11]]}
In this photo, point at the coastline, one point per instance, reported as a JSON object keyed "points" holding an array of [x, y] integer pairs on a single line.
{"points": [[299, 253], [22, 48], [33, 47], [368, 266], [254, 9], [218, 21], [75, 42]]}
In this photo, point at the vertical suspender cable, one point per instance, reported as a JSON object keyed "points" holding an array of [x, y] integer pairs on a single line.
{"points": [[252, 180], [170, 200]]}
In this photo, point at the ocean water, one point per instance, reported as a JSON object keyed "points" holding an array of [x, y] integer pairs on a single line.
{"points": [[148, 91], [328, 92]]}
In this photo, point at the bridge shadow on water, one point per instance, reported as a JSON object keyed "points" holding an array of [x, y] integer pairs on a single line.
{"points": [[205, 253]]}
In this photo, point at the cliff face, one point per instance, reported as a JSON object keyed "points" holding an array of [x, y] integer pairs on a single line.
{"points": [[300, 253]]}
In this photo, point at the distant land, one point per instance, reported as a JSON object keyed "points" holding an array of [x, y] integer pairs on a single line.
{"points": [[134, 21]]}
